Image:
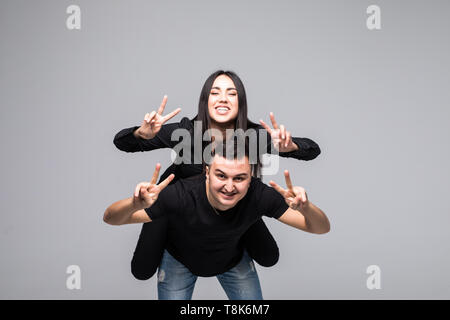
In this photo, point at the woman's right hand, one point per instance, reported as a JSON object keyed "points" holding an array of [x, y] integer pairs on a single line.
{"points": [[153, 121]]}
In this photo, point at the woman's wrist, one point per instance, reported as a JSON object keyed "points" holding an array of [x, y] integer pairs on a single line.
{"points": [[136, 133]]}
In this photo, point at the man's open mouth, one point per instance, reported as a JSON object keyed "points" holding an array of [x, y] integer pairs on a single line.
{"points": [[228, 195]]}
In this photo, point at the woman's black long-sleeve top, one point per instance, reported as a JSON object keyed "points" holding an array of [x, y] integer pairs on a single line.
{"points": [[125, 140]]}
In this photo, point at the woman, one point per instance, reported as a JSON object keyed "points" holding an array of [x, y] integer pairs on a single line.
{"points": [[222, 105]]}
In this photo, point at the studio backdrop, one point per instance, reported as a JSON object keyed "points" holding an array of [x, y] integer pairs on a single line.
{"points": [[367, 80]]}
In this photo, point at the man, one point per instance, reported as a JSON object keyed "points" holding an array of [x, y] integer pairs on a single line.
{"points": [[208, 214]]}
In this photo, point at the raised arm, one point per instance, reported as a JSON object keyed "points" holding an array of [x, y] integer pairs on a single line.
{"points": [[288, 146], [302, 214], [152, 134], [131, 210]]}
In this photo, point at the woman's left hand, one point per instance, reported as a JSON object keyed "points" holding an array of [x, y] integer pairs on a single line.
{"points": [[281, 138]]}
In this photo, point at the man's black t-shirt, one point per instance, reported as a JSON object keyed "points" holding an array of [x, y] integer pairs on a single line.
{"points": [[206, 241]]}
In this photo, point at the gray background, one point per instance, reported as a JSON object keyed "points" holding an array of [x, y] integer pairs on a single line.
{"points": [[377, 102]]}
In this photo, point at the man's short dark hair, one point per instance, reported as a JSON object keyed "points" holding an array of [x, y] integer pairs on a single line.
{"points": [[237, 147]]}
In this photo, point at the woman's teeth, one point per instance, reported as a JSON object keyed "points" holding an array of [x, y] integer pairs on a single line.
{"points": [[222, 110]]}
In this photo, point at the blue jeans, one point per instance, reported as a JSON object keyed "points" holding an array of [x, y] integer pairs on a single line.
{"points": [[176, 282]]}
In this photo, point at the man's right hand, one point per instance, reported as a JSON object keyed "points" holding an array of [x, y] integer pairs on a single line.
{"points": [[153, 121], [146, 193]]}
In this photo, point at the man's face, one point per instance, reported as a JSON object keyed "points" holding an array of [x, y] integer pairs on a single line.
{"points": [[227, 181]]}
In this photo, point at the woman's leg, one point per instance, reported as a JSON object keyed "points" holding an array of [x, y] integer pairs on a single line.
{"points": [[241, 282], [175, 281], [260, 244], [149, 249]]}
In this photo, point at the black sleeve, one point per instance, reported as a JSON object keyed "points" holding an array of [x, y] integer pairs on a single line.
{"points": [[307, 148], [169, 201], [270, 202], [125, 140]]}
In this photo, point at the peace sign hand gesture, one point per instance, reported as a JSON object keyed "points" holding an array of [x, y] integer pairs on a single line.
{"points": [[153, 121], [146, 193], [295, 197], [281, 138]]}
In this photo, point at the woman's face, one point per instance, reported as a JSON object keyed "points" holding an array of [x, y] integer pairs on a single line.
{"points": [[223, 103]]}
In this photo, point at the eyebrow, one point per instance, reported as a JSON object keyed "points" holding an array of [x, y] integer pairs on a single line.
{"points": [[238, 175], [227, 88]]}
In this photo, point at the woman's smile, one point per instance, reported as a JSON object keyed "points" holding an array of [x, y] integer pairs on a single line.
{"points": [[222, 109]]}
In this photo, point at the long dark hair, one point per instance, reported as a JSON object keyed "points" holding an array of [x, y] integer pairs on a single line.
{"points": [[241, 121]]}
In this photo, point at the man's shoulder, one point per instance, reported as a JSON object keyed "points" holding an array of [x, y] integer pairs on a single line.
{"points": [[176, 194], [256, 188], [261, 189], [268, 201], [189, 184], [181, 193], [257, 183]]}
